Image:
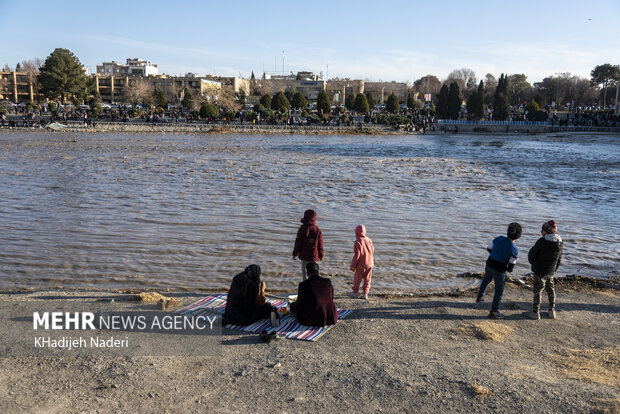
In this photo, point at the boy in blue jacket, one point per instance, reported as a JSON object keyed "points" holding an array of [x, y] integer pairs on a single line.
{"points": [[503, 255]]}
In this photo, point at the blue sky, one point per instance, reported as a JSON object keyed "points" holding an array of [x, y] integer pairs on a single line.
{"points": [[373, 40]]}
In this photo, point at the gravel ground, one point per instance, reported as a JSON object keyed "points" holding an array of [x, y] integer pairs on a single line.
{"points": [[435, 353]]}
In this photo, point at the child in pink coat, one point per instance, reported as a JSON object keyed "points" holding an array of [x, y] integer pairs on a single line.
{"points": [[362, 262]]}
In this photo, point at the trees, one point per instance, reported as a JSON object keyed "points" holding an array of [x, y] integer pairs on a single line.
{"points": [[371, 102], [442, 102], [500, 99], [280, 103], [519, 89], [475, 103], [604, 74], [349, 101], [299, 101], [323, 106], [392, 103], [208, 110], [465, 78], [188, 100], [62, 75], [140, 91], [361, 103], [427, 84], [454, 101], [160, 98], [265, 100]]}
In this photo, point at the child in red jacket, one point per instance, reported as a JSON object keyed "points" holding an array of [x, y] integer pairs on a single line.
{"points": [[309, 242], [362, 262]]}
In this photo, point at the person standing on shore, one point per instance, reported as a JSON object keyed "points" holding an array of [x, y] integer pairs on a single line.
{"points": [[545, 257], [362, 262], [309, 242], [503, 255]]}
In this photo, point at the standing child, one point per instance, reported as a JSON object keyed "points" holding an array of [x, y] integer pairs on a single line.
{"points": [[503, 255], [362, 262], [309, 242], [545, 257]]}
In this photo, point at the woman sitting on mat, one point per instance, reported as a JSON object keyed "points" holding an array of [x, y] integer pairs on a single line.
{"points": [[315, 300], [245, 303]]}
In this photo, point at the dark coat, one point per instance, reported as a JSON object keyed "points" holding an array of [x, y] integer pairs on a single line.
{"points": [[315, 302], [309, 241], [546, 254], [241, 307]]}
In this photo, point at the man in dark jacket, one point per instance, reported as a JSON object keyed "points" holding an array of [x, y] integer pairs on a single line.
{"points": [[315, 300], [245, 303], [309, 242], [545, 257]]}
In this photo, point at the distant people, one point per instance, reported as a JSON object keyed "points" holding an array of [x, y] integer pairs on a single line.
{"points": [[315, 300], [503, 255], [245, 303], [362, 262], [309, 242], [545, 257]]}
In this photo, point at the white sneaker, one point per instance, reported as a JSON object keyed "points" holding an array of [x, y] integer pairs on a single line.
{"points": [[353, 295], [364, 296]]}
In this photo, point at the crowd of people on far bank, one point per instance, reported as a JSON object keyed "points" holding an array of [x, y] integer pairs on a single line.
{"points": [[314, 305]]}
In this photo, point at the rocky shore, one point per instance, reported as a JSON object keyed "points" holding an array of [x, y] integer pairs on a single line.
{"points": [[421, 353]]}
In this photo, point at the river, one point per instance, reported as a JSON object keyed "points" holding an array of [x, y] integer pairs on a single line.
{"points": [[120, 210]]}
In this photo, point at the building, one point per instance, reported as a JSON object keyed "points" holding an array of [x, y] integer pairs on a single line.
{"points": [[381, 90], [133, 67], [19, 87], [338, 90]]}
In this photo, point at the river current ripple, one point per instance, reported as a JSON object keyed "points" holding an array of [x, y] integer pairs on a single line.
{"points": [[161, 211]]}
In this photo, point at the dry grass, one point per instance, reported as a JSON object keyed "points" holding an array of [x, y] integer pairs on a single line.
{"points": [[149, 297], [479, 391], [599, 366], [486, 330]]}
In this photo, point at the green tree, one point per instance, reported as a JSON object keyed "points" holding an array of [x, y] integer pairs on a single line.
{"points": [[532, 106], [62, 75], [454, 100], [371, 102], [604, 74], [410, 101], [299, 101], [280, 103], [392, 104], [501, 107], [208, 110], [188, 100], [361, 103], [160, 98], [323, 105], [349, 101], [95, 109], [519, 90], [475, 103], [241, 96], [265, 100], [258, 108], [442, 103]]}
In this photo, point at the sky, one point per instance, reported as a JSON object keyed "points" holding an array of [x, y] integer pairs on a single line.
{"points": [[372, 40]]}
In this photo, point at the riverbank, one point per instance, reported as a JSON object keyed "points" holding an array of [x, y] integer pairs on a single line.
{"points": [[365, 129], [429, 353]]}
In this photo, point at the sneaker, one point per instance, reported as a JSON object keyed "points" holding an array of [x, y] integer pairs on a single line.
{"points": [[495, 315], [551, 314], [479, 299], [353, 295], [364, 296], [531, 315]]}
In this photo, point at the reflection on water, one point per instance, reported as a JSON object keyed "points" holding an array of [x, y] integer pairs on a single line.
{"points": [[157, 210]]}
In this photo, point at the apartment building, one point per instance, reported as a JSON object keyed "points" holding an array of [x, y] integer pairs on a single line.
{"points": [[132, 67], [18, 87]]}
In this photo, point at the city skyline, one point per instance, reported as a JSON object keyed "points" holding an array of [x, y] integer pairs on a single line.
{"points": [[401, 41]]}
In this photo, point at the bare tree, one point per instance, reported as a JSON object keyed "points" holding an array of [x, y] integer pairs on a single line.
{"points": [[428, 84], [139, 90], [7, 68], [31, 67], [465, 78], [225, 98]]}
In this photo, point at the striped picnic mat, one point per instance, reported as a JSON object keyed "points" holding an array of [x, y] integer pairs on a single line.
{"points": [[289, 327]]}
